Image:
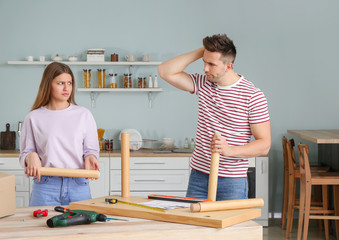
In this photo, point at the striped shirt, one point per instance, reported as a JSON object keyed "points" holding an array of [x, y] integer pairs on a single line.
{"points": [[229, 110]]}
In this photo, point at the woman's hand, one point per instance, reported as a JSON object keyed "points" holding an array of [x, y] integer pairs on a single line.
{"points": [[33, 165], [91, 163]]}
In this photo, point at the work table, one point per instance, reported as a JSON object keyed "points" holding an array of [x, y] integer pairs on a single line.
{"points": [[114, 153], [24, 226]]}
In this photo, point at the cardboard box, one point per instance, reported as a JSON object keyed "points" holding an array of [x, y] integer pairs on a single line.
{"points": [[7, 194]]}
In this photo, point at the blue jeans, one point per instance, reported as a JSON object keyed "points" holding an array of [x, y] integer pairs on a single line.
{"points": [[52, 191], [228, 188]]}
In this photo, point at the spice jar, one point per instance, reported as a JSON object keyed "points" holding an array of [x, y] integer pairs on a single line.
{"points": [[101, 78], [142, 82], [113, 80], [127, 80], [87, 78], [109, 145]]}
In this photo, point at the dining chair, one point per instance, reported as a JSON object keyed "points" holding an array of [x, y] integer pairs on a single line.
{"points": [[307, 180], [290, 185]]}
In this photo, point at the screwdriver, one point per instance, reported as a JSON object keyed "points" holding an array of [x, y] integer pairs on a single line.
{"points": [[61, 209]]}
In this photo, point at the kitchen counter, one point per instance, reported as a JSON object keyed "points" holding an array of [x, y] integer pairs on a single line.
{"points": [[24, 226], [115, 153]]}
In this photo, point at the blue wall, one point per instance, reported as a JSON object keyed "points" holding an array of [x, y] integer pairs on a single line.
{"points": [[286, 48]]}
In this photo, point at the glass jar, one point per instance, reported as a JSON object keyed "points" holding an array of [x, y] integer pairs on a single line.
{"points": [[141, 82], [113, 80], [109, 145], [87, 78], [127, 80], [101, 78]]}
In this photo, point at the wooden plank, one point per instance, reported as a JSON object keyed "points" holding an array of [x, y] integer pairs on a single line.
{"points": [[317, 136], [218, 219], [24, 226]]}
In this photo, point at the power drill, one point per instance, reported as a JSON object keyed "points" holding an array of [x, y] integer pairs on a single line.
{"points": [[74, 217]]}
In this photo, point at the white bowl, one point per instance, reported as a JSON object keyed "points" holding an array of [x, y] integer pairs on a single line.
{"points": [[72, 58]]}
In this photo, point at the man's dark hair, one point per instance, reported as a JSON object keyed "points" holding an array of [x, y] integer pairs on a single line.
{"points": [[222, 44]]}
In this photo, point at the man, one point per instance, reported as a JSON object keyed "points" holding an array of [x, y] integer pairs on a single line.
{"points": [[228, 104]]}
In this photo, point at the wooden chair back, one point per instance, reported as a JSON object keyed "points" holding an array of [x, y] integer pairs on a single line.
{"points": [[291, 163], [304, 164]]}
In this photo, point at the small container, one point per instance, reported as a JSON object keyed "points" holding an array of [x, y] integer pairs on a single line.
{"points": [[101, 78], [127, 80], [150, 82], [192, 145], [109, 145], [113, 80], [142, 82], [101, 144], [155, 84], [87, 78], [186, 143]]}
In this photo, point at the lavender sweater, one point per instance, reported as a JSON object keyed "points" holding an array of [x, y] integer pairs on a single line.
{"points": [[62, 138]]}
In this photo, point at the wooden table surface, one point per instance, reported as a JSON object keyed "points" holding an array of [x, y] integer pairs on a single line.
{"points": [[318, 136], [23, 225]]}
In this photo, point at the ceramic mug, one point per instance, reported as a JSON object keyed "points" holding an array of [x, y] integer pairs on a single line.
{"points": [[130, 58], [30, 58], [42, 58], [146, 58]]}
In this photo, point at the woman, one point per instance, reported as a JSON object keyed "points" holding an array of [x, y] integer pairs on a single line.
{"points": [[57, 133]]}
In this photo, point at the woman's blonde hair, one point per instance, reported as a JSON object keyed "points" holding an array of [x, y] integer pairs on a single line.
{"points": [[52, 71]]}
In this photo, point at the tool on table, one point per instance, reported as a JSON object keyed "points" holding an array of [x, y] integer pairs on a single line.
{"points": [[213, 178], [39, 213], [227, 205], [76, 217], [114, 201], [8, 139], [177, 199], [66, 172], [61, 209]]}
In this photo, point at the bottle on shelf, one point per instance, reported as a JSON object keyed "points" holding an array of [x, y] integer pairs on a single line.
{"points": [[87, 78], [150, 83], [155, 84], [113, 80], [101, 78], [186, 143], [192, 145]]}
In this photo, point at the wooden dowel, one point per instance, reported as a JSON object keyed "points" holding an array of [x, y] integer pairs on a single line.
{"points": [[227, 205], [125, 176], [213, 178], [67, 172]]}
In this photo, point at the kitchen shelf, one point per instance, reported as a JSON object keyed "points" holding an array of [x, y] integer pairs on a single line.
{"points": [[85, 63], [100, 90]]}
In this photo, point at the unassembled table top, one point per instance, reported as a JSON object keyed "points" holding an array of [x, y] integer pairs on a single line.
{"points": [[24, 225]]}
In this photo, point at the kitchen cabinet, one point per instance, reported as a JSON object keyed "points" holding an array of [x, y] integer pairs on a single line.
{"points": [[152, 175], [100, 187], [260, 164], [93, 91], [11, 165]]}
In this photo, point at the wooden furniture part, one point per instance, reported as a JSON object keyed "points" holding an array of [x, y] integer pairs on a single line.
{"points": [[227, 205], [125, 176], [66, 172], [218, 219], [293, 175], [24, 226], [213, 177], [307, 180]]}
